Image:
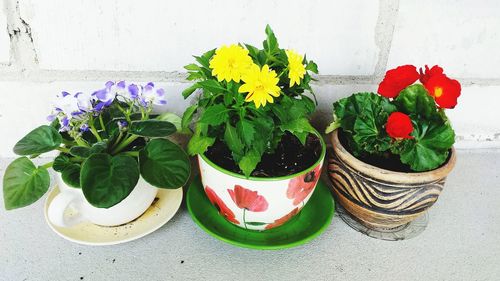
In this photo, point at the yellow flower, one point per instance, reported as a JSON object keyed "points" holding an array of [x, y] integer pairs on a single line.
{"points": [[229, 63], [296, 69], [261, 85]]}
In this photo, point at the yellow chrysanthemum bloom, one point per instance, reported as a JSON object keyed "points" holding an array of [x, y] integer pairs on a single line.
{"points": [[229, 63], [261, 85], [296, 68]]}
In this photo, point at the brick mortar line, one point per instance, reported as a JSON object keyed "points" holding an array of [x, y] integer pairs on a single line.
{"points": [[384, 32]]}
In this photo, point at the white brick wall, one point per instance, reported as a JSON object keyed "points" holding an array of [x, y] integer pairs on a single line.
{"points": [[78, 45], [4, 37]]}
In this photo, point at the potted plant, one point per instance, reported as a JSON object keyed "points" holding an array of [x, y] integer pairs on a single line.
{"points": [[112, 155], [393, 150], [259, 157]]}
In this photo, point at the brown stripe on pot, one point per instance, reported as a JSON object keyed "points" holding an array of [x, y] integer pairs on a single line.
{"points": [[380, 198]]}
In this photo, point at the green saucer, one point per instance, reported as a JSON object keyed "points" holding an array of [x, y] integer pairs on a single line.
{"points": [[314, 218]]}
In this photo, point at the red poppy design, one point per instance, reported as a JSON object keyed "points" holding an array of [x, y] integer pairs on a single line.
{"points": [[300, 187], [248, 199], [399, 126], [220, 205], [283, 219], [444, 90], [397, 79]]}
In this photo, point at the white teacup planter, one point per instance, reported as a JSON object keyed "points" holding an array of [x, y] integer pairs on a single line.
{"points": [[258, 203], [130, 208]]}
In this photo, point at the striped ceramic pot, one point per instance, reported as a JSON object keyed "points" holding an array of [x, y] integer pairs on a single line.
{"points": [[382, 199]]}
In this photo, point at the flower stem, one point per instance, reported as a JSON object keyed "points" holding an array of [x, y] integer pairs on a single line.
{"points": [[63, 149], [124, 144], [101, 122], [81, 142], [95, 133], [48, 165], [244, 221]]}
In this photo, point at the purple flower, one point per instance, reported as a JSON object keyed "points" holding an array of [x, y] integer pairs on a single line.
{"points": [[122, 124], [150, 95], [64, 122], [105, 96], [84, 128]]}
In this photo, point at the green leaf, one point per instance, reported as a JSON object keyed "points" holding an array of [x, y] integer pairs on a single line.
{"points": [[248, 162], [430, 147], [84, 152], [233, 141], [246, 129], [215, 115], [172, 118], [60, 162], [24, 183], [164, 164], [212, 86], [192, 67], [187, 117], [187, 92], [152, 128], [199, 144], [42, 139], [297, 125], [312, 66], [271, 43], [106, 180], [415, 100], [255, 223], [71, 175]]}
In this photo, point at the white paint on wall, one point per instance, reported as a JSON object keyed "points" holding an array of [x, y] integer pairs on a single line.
{"points": [[462, 36], [4, 37], [162, 35]]}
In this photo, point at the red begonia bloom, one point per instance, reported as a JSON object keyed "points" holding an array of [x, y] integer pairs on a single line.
{"points": [[397, 79], [399, 126]]}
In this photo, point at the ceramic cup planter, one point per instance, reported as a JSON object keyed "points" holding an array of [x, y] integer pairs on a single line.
{"points": [[259, 203], [382, 199], [130, 208]]}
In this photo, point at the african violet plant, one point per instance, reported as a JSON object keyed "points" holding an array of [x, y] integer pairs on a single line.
{"points": [[250, 98], [404, 119], [106, 141]]}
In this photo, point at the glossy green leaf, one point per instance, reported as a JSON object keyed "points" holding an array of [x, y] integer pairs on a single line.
{"points": [[152, 128], [233, 141], [271, 43], [42, 139], [106, 180], [188, 91], [71, 175], [212, 86], [187, 117], [84, 152], [24, 183], [61, 162], [430, 147], [415, 100], [164, 164], [247, 130]]}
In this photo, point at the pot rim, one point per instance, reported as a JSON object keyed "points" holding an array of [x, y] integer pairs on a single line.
{"points": [[233, 174], [384, 175]]}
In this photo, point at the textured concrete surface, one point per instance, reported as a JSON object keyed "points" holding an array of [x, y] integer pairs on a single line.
{"points": [[461, 242]]}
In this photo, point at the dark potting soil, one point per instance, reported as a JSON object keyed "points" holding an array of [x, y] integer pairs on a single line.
{"points": [[289, 158], [387, 161]]}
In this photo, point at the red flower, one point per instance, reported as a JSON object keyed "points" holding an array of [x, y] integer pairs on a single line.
{"points": [[397, 79], [248, 199], [300, 187], [434, 71], [399, 126], [283, 219], [219, 204]]}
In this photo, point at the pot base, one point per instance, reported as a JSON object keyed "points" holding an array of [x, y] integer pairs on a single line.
{"points": [[402, 232]]}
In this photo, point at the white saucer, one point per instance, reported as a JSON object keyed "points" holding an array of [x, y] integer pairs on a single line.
{"points": [[166, 204]]}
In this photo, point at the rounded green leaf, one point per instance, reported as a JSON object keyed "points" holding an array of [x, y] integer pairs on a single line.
{"points": [[416, 100], [71, 175], [152, 128], [107, 180], [164, 164], [24, 183], [61, 162], [42, 139]]}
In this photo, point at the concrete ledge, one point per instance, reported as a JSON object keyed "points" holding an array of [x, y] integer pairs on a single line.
{"points": [[460, 243]]}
